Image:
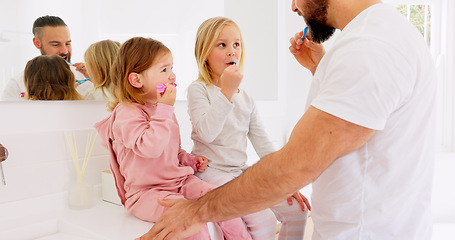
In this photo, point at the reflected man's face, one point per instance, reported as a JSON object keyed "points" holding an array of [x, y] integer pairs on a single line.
{"points": [[55, 40]]}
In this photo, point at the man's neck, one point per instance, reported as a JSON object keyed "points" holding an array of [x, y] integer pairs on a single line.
{"points": [[341, 12]]}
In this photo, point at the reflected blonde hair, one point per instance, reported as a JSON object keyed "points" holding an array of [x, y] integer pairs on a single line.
{"points": [[49, 77], [135, 56], [99, 58], [206, 36]]}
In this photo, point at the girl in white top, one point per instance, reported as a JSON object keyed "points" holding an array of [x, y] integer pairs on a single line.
{"points": [[99, 58], [223, 116]]}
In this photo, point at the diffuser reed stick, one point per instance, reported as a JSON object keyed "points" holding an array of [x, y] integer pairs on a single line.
{"points": [[72, 144]]}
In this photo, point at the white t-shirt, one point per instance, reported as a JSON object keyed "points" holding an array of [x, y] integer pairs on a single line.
{"points": [[379, 74], [15, 88], [221, 128]]}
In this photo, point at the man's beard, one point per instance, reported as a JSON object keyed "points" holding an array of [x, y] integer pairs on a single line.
{"points": [[316, 21], [67, 56], [320, 32]]}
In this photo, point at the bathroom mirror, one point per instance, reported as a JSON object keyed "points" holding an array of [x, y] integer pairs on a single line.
{"points": [[173, 22]]}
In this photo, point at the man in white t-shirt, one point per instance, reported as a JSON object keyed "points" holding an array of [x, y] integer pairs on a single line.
{"points": [[51, 36], [366, 140]]}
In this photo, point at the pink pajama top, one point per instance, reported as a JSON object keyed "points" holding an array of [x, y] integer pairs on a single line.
{"points": [[144, 147]]}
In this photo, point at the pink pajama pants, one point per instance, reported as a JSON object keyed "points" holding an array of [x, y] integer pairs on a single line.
{"points": [[262, 225], [148, 209]]}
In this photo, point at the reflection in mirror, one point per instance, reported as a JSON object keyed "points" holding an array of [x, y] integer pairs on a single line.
{"points": [[99, 58], [49, 77], [172, 22]]}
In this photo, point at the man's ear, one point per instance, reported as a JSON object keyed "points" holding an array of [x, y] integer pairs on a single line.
{"points": [[37, 42], [135, 80]]}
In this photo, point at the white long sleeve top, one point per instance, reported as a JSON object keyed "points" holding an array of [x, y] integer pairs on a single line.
{"points": [[221, 128]]}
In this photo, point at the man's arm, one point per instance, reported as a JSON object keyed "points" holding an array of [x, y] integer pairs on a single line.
{"points": [[316, 142]]}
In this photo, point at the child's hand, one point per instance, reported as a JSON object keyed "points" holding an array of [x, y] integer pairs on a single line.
{"points": [[302, 200], [230, 81], [201, 163], [80, 67], [168, 97]]}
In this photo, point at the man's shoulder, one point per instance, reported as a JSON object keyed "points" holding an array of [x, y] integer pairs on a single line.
{"points": [[14, 88]]}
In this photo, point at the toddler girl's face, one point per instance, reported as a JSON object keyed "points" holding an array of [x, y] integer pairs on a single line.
{"points": [[159, 72], [226, 51]]}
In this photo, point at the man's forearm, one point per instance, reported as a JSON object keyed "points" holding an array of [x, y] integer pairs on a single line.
{"points": [[261, 186]]}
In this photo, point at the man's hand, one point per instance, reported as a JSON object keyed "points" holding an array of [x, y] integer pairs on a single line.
{"points": [[307, 53], [179, 221]]}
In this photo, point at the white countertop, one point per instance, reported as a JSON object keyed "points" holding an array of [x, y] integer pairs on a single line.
{"points": [[48, 217]]}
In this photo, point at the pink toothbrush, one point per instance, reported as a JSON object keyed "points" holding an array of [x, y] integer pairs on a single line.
{"points": [[162, 88]]}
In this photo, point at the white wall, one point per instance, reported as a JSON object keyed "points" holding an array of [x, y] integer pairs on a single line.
{"points": [[259, 31], [39, 160], [446, 82]]}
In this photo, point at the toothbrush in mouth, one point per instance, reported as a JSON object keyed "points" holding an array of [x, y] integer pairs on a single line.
{"points": [[69, 63], [162, 88], [231, 63], [305, 31]]}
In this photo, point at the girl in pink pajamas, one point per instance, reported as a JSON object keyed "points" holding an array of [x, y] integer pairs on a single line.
{"points": [[143, 137]]}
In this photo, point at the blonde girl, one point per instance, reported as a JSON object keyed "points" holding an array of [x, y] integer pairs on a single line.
{"points": [[223, 117], [49, 77], [99, 58], [143, 137]]}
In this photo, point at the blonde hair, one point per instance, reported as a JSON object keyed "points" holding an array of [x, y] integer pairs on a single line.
{"points": [[99, 58], [49, 77], [135, 56], [206, 36]]}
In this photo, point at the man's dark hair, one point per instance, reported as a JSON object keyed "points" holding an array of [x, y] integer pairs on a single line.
{"points": [[51, 21]]}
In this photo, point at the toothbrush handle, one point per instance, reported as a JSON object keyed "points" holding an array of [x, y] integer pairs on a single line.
{"points": [[83, 80], [305, 31]]}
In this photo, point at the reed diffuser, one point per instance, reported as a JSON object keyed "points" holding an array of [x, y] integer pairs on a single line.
{"points": [[80, 194]]}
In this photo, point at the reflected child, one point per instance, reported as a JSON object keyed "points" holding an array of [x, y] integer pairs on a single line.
{"points": [[49, 77], [99, 58]]}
